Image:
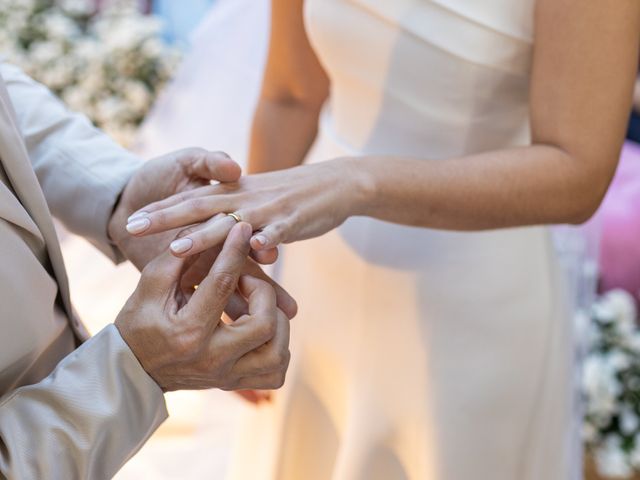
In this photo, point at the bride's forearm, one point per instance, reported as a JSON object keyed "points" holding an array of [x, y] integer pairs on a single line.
{"points": [[282, 133], [515, 187], [293, 90]]}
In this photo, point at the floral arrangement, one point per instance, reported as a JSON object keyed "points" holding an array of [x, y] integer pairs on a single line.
{"points": [[611, 385], [108, 63]]}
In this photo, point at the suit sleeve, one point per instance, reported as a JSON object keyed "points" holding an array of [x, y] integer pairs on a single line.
{"points": [[83, 421], [80, 169]]}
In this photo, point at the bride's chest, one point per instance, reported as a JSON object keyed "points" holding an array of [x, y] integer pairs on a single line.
{"points": [[389, 33]]}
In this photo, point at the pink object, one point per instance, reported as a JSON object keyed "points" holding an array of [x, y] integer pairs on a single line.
{"points": [[619, 217]]}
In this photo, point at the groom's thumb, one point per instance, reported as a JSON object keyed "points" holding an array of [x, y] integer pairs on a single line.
{"points": [[161, 275], [208, 165]]}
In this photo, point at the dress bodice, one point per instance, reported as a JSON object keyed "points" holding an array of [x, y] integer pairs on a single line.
{"points": [[432, 78]]}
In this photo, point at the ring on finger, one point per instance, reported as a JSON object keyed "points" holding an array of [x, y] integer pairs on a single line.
{"points": [[235, 216]]}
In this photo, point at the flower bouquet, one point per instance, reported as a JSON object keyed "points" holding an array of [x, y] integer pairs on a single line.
{"points": [[108, 63], [611, 386]]}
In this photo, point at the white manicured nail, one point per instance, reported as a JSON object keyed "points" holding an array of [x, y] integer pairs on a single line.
{"points": [[137, 215], [138, 225], [181, 245], [261, 239]]}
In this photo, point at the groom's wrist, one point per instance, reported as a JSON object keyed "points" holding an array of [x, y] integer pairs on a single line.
{"points": [[116, 231], [117, 221]]}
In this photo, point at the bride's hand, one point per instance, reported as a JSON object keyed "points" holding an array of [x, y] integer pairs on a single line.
{"points": [[282, 206]]}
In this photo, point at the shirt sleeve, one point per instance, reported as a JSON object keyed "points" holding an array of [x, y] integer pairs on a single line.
{"points": [[80, 169]]}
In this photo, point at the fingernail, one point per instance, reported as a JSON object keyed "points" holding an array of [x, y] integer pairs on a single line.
{"points": [[181, 245], [138, 225], [137, 215], [261, 239]]}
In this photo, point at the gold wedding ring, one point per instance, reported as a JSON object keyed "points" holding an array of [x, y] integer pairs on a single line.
{"points": [[235, 216]]}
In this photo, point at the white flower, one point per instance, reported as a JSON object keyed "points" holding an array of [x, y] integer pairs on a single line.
{"points": [[121, 32], [59, 74], [46, 52], [93, 79], [137, 95], [617, 360], [634, 456], [111, 109], [110, 68], [604, 311], [617, 307], [77, 98], [153, 48], [78, 7], [89, 50], [629, 421], [57, 25], [611, 460], [623, 303], [601, 388]]}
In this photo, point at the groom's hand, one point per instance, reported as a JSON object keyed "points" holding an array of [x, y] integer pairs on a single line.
{"points": [[182, 342], [162, 177], [171, 174]]}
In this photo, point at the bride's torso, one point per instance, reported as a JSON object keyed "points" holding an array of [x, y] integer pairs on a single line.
{"points": [[430, 78]]}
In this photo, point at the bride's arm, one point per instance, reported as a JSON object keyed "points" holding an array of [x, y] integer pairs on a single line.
{"points": [[293, 91], [584, 68]]}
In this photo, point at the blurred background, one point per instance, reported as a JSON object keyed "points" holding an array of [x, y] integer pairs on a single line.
{"points": [[161, 75]]}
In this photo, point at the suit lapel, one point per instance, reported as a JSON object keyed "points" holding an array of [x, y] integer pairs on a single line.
{"points": [[17, 165], [12, 211]]}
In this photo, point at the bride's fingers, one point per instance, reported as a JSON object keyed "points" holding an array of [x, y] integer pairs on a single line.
{"points": [[270, 236], [185, 213], [173, 200], [202, 237]]}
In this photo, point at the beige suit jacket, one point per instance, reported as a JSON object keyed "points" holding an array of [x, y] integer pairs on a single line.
{"points": [[64, 412]]}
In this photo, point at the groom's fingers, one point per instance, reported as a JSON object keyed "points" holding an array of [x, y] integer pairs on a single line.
{"points": [[265, 257], [266, 333], [285, 302], [255, 329], [213, 293], [161, 275], [207, 165], [271, 357], [236, 307], [271, 381]]}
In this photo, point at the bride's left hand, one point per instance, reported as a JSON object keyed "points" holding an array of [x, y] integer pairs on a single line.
{"points": [[282, 206]]}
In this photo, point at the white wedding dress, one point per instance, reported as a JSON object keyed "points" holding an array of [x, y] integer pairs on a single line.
{"points": [[421, 354]]}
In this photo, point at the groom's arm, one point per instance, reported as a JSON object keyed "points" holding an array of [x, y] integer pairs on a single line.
{"points": [[83, 421], [81, 170]]}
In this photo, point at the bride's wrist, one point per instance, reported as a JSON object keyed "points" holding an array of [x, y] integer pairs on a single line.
{"points": [[359, 186]]}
